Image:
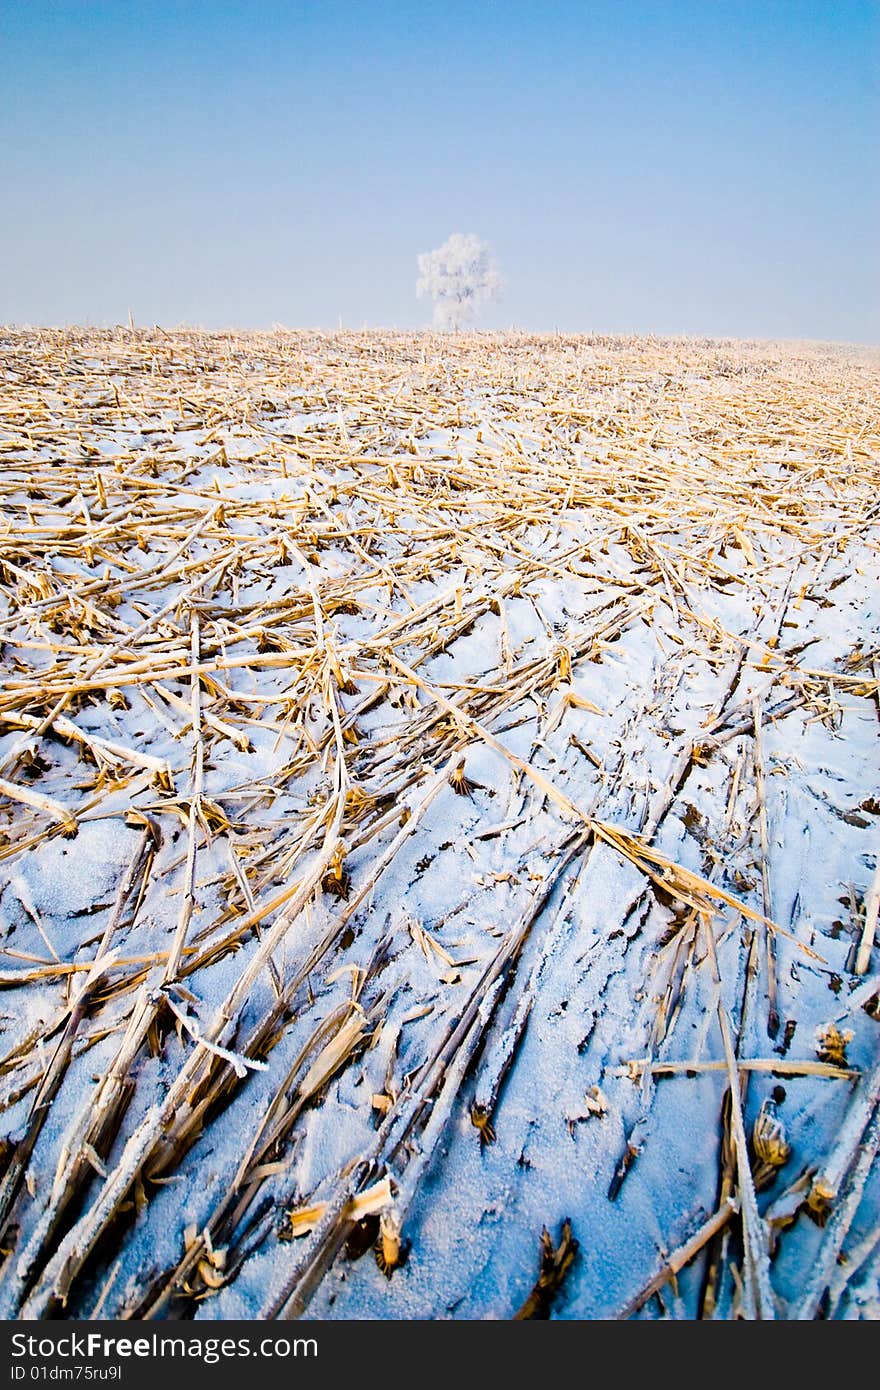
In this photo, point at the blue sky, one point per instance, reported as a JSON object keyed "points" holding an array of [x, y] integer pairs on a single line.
{"points": [[703, 167]]}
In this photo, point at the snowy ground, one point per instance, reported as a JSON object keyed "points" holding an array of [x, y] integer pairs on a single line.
{"points": [[433, 767]]}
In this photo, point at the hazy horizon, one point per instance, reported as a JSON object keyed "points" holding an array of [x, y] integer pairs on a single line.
{"points": [[673, 169], [428, 331]]}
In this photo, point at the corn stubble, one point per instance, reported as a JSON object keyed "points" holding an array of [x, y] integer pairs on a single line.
{"points": [[209, 541]]}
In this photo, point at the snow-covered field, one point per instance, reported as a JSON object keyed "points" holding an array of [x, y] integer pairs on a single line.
{"points": [[433, 768]]}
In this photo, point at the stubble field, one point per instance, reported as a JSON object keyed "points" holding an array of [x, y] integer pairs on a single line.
{"points": [[438, 805]]}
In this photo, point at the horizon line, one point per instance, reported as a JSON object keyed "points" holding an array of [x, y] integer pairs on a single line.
{"points": [[655, 335]]}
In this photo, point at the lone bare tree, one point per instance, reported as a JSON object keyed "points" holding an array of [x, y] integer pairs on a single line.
{"points": [[459, 276]]}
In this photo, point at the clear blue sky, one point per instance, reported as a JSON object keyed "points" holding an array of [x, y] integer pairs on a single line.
{"points": [[694, 166]]}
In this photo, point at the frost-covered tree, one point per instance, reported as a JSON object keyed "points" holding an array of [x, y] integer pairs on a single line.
{"points": [[458, 276]]}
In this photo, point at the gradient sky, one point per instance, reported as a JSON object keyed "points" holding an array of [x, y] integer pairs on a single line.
{"points": [[675, 166]]}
